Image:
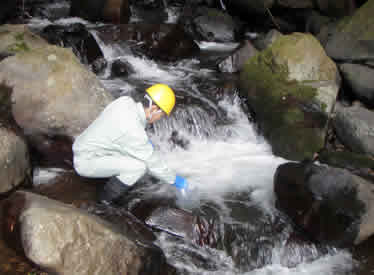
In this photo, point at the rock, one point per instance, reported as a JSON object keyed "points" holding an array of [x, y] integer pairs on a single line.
{"points": [[315, 22], [14, 160], [156, 205], [58, 237], [359, 164], [354, 127], [336, 8], [353, 38], [113, 11], [46, 82], [167, 42], [18, 38], [360, 79], [331, 205], [76, 37], [52, 11], [264, 41], [121, 68], [214, 25], [235, 62], [291, 88]]}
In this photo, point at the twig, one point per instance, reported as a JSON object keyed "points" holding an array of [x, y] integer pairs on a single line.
{"points": [[273, 19]]}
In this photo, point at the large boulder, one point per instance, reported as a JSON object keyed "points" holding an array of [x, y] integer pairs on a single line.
{"points": [[66, 240], [331, 205], [354, 127], [14, 160], [113, 11], [18, 38], [46, 83], [352, 39], [291, 88]]}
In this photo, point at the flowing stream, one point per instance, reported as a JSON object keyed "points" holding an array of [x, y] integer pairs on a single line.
{"points": [[227, 163]]}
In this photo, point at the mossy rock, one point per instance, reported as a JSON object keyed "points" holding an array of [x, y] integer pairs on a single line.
{"points": [[285, 109], [18, 38]]}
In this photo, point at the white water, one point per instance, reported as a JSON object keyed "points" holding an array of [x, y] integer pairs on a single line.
{"points": [[233, 158]]}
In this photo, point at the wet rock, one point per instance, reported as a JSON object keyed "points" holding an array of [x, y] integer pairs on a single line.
{"points": [[354, 127], [175, 45], [331, 205], [214, 25], [236, 61], [291, 95], [66, 240], [76, 37], [160, 41], [156, 205], [359, 164], [121, 68], [99, 65], [360, 79], [113, 11], [51, 10], [45, 81]]}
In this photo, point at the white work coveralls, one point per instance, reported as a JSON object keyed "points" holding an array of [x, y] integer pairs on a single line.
{"points": [[116, 144]]}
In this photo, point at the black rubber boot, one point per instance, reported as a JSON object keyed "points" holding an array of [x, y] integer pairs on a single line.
{"points": [[112, 190]]}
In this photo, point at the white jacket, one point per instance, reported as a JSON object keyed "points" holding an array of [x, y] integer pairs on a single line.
{"points": [[120, 131]]}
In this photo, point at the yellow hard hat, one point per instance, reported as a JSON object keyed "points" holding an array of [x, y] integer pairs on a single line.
{"points": [[163, 96]]}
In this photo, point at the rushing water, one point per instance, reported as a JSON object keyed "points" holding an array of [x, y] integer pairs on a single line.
{"points": [[227, 163]]}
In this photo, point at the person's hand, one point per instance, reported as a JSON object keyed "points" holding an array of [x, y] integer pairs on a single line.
{"points": [[151, 143], [181, 184]]}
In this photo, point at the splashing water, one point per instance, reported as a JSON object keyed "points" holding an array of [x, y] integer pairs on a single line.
{"points": [[222, 156]]}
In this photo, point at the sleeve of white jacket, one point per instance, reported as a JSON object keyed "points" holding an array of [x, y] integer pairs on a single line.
{"points": [[136, 143]]}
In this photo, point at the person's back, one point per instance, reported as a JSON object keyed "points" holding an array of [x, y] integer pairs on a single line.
{"points": [[117, 120]]}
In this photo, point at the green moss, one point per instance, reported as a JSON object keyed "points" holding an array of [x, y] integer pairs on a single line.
{"points": [[20, 45], [279, 106]]}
